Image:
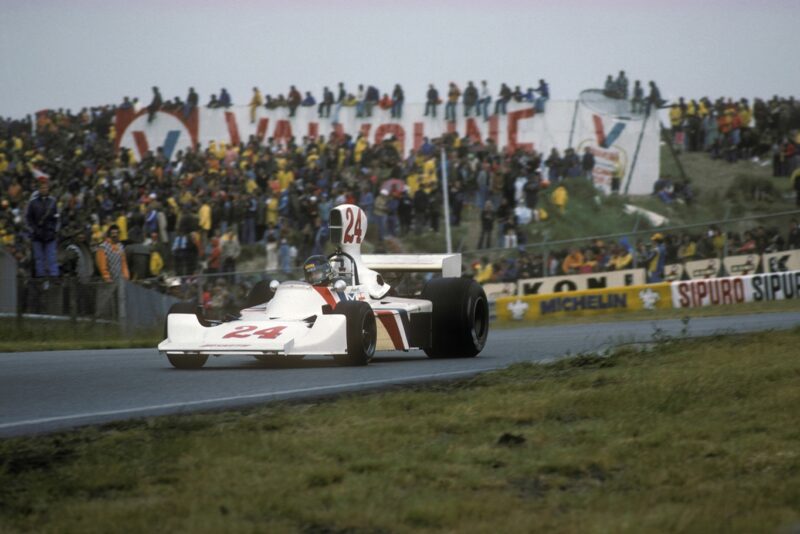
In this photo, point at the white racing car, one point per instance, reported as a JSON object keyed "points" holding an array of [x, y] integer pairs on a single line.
{"points": [[344, 309]]}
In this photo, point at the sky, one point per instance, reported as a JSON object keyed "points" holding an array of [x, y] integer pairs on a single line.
{"points": [[76, 53]]}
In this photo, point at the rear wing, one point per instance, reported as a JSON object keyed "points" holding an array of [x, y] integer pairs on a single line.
{"points": [[448, 264]]}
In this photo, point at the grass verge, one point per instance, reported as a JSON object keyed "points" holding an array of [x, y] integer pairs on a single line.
{"points": [[35, 334], [697, 437]]}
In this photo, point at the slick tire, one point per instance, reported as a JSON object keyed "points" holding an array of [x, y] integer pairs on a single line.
{"points": [[460, 320], [362, 333]]}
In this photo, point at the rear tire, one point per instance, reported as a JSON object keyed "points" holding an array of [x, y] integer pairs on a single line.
{"points": [[460, 320], [362, 333]]}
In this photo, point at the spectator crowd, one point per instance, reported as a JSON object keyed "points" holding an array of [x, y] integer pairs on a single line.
{"points": [[72, 205]]}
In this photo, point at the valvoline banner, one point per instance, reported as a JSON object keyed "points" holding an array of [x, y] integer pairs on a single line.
{"points": [[612, 139]]}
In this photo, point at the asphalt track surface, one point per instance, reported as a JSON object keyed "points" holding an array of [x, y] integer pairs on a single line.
{"points": [[43, 392]]}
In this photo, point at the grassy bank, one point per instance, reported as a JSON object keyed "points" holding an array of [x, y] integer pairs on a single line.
{"points": [[41, 334], [689, 437]]}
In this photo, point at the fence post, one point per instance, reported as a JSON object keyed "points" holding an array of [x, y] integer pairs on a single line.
{"points": [[122, 313]]}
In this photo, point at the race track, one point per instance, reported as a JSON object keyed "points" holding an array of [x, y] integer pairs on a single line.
{"points": [[49, 391]]}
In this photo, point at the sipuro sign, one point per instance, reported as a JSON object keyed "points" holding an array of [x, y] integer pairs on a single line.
{"points": [[580, 282], [736, 289]]}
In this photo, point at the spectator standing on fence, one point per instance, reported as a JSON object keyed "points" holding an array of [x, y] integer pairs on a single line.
{"points": [[155, 105], [503, 97], [637, 101], [470, 99], [255, 102], [485, 100], [324, 108], [432, 100], [398, 97], [110, 257], [192, 100], [544, 95], [225, 99], [453, 94], [293, 100], [42, 219]]}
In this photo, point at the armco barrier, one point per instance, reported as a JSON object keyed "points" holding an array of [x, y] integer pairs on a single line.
{"points": [[736, 289], [589, 302]]}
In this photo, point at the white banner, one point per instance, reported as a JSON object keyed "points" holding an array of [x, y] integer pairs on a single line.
{"points": [[736, 289], [776, 262], [673, 272], [741, 265], [611, 138], [580, 282], [702, 268]]}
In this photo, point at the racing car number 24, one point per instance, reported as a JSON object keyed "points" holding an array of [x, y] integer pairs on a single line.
{"points": [[248, 330]]}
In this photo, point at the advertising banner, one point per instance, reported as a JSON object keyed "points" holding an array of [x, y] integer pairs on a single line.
{"points": [[699, 269], [736, 289], [496, 290], [776, 262], [611, 138], [741, 265], [591, 302], [578, 282], [673, 271]]}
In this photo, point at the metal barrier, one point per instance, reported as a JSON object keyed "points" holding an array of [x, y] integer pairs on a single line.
{"points": [[739, 224]]}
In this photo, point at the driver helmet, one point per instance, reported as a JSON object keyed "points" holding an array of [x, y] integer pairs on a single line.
{"points": [[318, 270]]}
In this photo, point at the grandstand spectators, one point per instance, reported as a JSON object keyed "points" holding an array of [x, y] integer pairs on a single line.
{"points": [[200, 210]]}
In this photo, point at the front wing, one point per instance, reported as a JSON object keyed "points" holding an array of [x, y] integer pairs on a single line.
{"points": [[327, 335]]}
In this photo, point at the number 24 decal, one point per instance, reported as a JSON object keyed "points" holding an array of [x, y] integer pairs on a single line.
{"points": [[352, 234], [244, 331]]}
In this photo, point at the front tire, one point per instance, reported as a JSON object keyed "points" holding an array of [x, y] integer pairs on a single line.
{"points": [[460, 319], [362, 333], [187, 361]]}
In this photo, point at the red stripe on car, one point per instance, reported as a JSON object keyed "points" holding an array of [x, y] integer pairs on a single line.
{"points": [[390, 323]]}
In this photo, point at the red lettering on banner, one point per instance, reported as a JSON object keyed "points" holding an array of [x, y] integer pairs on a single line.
{"points": [[141, 143], [683, 291], [494, 129], [725, 294], [702, 292], [738, 290], [473, 132], [513, 127], [392, 129], [313, 130], [261, 129], [599, 131], [233, 128], [283, 131], [365, 128], [419, 134]]}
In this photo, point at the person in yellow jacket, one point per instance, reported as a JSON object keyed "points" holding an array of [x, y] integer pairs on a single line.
{"points": [[204, 219], [560, 198], [122, 223], [484, 271], [361, 146], [285, 175], [255, 102]]}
